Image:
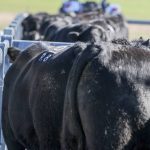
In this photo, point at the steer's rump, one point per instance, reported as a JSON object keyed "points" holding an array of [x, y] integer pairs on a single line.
{"points": [[33, 96], [107, 103]]}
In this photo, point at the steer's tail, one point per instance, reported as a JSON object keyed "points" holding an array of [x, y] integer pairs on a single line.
{"points": [[72, 132], [141, 139]]}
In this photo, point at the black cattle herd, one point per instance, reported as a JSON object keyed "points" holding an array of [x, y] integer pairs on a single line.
{"points": [[91, 95], [88, 27]]}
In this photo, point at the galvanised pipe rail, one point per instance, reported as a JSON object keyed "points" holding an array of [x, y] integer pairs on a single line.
{"points": [[140, 22], [22, 44]]}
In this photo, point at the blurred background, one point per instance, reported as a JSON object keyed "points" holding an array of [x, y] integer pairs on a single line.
{"points": [[132, 9]]}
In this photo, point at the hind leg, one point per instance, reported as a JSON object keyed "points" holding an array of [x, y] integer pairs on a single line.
{"points": [[14, 145], [9, 137], [10, 140]]}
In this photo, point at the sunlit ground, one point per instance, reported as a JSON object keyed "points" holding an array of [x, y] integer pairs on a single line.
{"points": [[5, 19], [136, 31]]}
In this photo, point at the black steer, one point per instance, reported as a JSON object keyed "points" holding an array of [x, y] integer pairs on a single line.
{"points": [[33, 97], [107, 102], [52, 29], [31, 25], [56, 20], [79, 32]]}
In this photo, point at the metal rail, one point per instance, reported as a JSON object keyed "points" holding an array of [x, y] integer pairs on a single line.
{"points": [[140, 22]]}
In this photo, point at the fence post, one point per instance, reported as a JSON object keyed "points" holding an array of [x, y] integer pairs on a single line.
{"points": [[6, 41], [2, 73], [9, 31]]}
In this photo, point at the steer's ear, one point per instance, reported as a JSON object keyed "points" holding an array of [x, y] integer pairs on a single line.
{"points": [[13, 53], [73, 36], [146, 43]]}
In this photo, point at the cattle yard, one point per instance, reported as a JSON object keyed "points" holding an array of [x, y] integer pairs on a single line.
{"points": [[9, 38], [12, 34]]}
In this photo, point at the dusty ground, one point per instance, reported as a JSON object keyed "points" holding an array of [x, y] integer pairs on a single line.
{"points": [[5, 19], [135, 31]]}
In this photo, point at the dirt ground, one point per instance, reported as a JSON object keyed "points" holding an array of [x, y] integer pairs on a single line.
{"points": [[135, 31], [5, 19]]}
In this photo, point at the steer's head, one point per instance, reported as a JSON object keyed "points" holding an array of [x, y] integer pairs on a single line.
{"points": [[20, 57], [13, 53], [29, 23], [92, 34]]}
